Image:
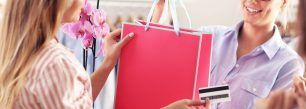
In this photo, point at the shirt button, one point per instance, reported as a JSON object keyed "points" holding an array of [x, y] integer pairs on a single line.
{"points": [[254, 90], [237, 65]]}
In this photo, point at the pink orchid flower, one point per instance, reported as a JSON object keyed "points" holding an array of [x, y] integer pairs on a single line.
{"points": [[87, 11], [74, 30], [98, 19], [87, 40], [92, 24]]}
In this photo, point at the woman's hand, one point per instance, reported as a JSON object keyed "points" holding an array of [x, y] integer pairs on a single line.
{"points": [[286, 99], [299, 86], [112, 48], [278, 100], [188, 104], [300, 90]]}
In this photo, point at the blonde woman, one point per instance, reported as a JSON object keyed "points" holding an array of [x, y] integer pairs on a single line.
{"points": [[37, 72]]}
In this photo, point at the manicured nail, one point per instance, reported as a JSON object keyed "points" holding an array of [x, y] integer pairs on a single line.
{"points": [[131, 35]]}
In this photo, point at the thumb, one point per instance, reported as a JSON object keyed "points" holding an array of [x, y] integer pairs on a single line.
{"points": [[194, 103], [125, 40]]}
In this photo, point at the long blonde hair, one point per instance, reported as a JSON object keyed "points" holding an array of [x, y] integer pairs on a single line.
{"points": [[26, 28]]}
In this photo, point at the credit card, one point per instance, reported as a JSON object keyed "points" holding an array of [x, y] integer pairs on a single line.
{"points": [[216, 94]]}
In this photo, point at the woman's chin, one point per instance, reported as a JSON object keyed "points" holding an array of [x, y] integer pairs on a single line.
{"points": [[252, 21]]}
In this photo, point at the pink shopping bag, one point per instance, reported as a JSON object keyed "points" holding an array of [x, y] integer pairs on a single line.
{"points": [[157, 68], [161, 64]]}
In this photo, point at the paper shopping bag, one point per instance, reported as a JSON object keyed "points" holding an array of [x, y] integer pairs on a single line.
{"points": [[157, 68], [161, 64]]}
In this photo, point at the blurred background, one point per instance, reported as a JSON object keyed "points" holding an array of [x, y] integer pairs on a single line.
{"points": [[202, 13]]}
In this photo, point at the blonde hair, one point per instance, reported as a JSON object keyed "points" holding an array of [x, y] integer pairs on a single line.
{"points": [[26, 28]]}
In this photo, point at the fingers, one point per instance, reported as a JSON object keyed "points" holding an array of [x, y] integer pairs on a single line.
{"points": [[301, 89], [289, 100], [125, 40], [194, 103], [207, 103], [299, 86], [114, 34]]}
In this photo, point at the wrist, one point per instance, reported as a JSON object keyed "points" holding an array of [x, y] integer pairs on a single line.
{"points": [[107, 64]]}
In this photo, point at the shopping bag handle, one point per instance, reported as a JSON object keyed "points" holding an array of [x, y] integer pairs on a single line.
{"points": [[165, 14]]}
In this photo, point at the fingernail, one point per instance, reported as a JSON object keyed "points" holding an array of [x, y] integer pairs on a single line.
{"points": [[131, 35]]}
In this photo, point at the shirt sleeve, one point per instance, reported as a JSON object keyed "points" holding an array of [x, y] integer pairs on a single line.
{"points": [[61, 87], [288, 71]]}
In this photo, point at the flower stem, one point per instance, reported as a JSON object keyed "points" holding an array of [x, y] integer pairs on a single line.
{"points": [[85, 57], [93, 54]]}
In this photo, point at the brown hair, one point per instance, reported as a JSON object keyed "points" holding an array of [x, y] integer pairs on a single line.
{"points": [[302, 27]]}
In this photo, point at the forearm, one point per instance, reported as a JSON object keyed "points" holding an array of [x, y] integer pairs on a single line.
{"points": [[158, 11], [99, 78], [112, 50]]}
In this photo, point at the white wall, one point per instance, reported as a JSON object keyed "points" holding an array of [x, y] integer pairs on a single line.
{"points": [[211, 12], [202, 12], [224, 12]]}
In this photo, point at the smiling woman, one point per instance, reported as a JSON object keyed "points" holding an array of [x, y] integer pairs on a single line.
{"points": [[262, 12], [251, 57]]}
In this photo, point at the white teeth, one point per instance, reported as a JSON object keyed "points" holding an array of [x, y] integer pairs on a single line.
{"points": [[252, 10]]}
